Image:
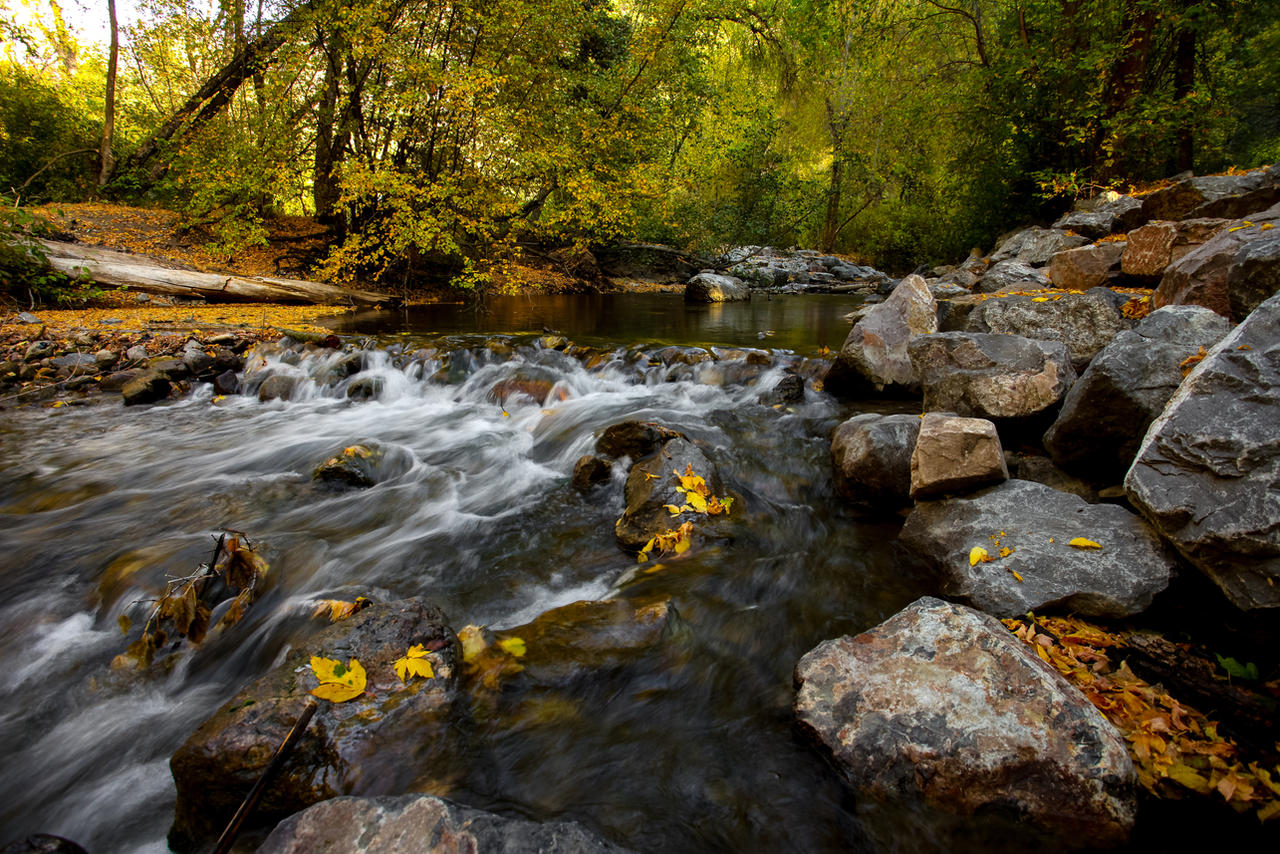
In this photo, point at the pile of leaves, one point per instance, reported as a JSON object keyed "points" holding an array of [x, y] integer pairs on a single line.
{"points": [[1176, 750], [697, 499], [185, 607]]}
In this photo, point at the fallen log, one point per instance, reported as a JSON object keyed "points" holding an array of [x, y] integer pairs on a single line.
{"points": [[140, 273]]}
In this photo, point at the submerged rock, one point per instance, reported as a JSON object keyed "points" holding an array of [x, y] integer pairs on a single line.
{"points": [[360, 465], [943, 704], [221, 761], [634, 439], [1207, 470], [590, 470], [423, 824], [871, 457], [1027, 528]]}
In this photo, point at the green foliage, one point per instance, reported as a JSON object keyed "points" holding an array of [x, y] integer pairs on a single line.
{"points": [[48, 139], [25, 275]]}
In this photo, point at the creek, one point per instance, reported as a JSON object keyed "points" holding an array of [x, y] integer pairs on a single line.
{"points": [[690, 752]]}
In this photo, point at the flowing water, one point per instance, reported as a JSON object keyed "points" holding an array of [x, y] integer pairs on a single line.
{"points": [[690, 747]]}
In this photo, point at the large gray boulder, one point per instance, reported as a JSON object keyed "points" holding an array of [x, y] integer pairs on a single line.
{"points": [[943, 704], [991, 376], [1225, 196], [1105, 214], [1206, 474], [1085, 323], [712, 287], [1011, 274], [1107, 412], [423, 824], [871, 457], [1231, 273], [875, 352], [1036, 524], [1150, 250], [221, 761], [651, 485], [955, 454], [1036, 245]]}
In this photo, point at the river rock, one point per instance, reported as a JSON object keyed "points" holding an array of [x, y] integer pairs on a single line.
{"points": [[137, 353], [104, 359], [1105, 214], [991, 376], [221, 761], [788, 390], [1036, 245], [1086, 267], [955, 454], [1150, 250], [227, 382], [871, 458], [1085, 323], [1224, 196], [634, 439], [278, 387], [590, 470], [651, 484], [1107, 411], [1205, 277], [943, 704], [147, 387], [1037, 523], [385, 825], [875, 352], [75, 362], [361, 465], [712, 287], [1206, 472], [1011, 273], [42, 843]]}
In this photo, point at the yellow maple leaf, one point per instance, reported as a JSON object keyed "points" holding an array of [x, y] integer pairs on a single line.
{"points": [[1082, 543], [414, 663], [513, 646], [338, 682], [696, 501]]}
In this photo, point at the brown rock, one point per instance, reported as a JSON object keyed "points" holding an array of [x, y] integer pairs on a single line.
{"points": [[588, 471], [871, 458], [1086, 267], [955, 454], [1204, 275], [1153, 247]]}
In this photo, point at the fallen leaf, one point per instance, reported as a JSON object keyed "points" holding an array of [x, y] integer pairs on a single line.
{"points": [[978, 554], [414, 663], [1082, 543], [513, 646], [338, 682]]}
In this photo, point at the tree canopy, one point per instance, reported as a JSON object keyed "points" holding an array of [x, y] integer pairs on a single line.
{"points": [[446, 138]]}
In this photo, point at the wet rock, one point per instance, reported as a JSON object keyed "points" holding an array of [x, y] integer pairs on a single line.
{"points": [[137, 353], [991, 376], [1011, 273], [1036, 524], [590, 470], [634, 439], [874, 355], [38, 350], [42, 843], [871, 458], [943, 704], [1086, 267], [533, 384], [1206, 472], [1085, 323], [1150, 250], [104, 359], [365, 388], [383, 825], [278, 387], [174, 369], [711, 287], [361, 465], [1229, 273], [1107, 411], [1224, 196], [225, 359], [788, 390], [955, 454], [651, 485], [75, 362], [147, 387], [222, 760], [227, 382], [118, 380], [1041, 469]]}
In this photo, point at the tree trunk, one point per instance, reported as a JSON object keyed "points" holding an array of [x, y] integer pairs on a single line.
{"points": [[330, 141], [1184, 81], [215, 94], [1124, 84], [106, 159], [139, 273]]}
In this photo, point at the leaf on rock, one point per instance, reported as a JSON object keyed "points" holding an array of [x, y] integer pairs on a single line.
{"points": [[1082, 543], [977, 555], [513, 646], [414, 663], [338, 682]]}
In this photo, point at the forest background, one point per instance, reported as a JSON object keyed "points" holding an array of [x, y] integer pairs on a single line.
{"points": [[447, 139]]}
